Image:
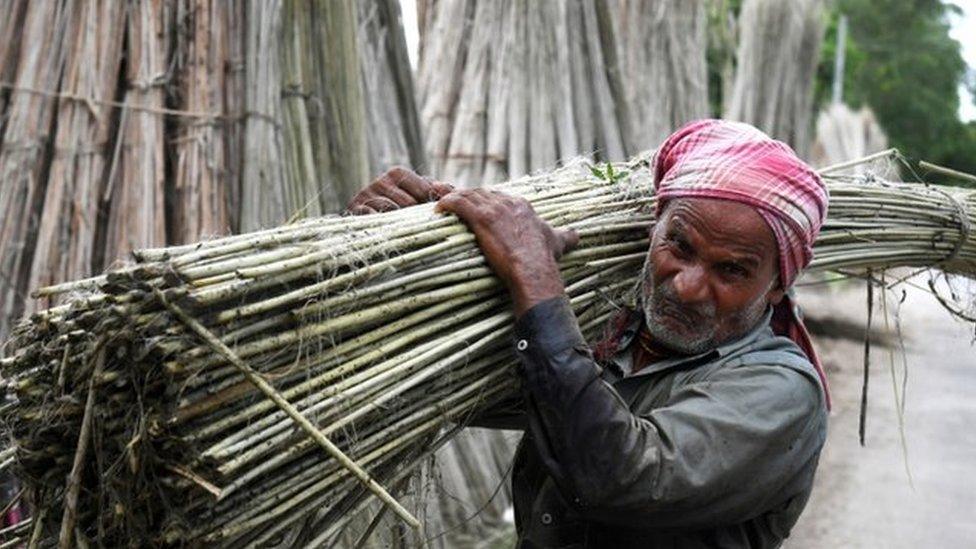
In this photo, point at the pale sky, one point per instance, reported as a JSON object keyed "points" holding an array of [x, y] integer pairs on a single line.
{"points": [[963, 30], [410, 29]]}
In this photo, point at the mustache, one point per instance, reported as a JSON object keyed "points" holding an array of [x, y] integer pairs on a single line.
{"points": [[665, 300]]}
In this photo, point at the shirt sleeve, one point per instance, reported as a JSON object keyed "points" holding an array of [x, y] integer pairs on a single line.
{"points": [[719, 452]]}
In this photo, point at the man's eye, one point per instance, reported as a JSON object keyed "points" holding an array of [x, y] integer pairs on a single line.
{"points": [[681, 247], [733, 270]]}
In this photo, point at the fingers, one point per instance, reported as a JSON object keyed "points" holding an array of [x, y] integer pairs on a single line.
{"points": [[483, 205], [409, 182], [373, 199], [397, 188], [458, 203], [361, 209], [366, 202], [464, 202], [420, 188], [388, 186], [446, 204], [569, 239], [440, 189], [379, 203], [398, 196]]}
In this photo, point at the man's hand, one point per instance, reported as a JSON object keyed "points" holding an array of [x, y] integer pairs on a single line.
{"points": [[518, 245], [397, 188]]}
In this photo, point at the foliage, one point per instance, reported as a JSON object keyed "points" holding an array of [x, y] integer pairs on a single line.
{"points": [[608, 173], [901, 61], [721, 49]]}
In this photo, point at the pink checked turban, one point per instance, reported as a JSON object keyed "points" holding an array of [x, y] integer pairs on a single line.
{"points": [[735, 161]]}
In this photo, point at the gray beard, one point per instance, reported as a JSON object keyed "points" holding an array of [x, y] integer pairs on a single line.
{"points": [[701, 333]]}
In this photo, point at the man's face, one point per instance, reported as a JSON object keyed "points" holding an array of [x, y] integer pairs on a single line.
{"points": [[710, 274]]}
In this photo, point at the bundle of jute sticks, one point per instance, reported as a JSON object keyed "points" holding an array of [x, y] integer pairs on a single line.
{"points": [[261, 389]]}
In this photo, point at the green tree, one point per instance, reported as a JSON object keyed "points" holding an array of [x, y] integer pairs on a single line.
{"points": [[902, 63]]}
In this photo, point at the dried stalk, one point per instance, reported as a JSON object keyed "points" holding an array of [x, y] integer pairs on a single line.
{"points": [[375, 346], [293, 413], [201, 183], [66, 241], [138, 171], [28, 123]]}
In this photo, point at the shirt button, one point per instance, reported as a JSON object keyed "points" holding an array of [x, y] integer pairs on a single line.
{"points": [[546, 518], [522, 345]]}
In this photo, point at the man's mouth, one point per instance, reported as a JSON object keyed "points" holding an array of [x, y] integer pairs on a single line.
{"points": [[674, 315], [674, 318]]}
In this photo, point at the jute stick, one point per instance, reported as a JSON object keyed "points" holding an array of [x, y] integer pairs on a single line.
{"points": [[947, 171], [292, 412], [74, 479], [858, 161]]}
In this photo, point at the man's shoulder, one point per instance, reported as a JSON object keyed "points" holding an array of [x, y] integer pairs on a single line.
{"points": [[778, 361], [772, 349]]}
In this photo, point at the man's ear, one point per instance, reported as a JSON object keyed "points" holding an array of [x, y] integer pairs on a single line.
{"points": [[774, 296]]}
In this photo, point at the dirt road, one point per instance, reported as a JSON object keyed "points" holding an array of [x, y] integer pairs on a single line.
{"points": [[863, 497]]}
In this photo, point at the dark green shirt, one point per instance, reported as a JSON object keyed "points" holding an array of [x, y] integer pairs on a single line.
{"points": [[715, 450]]}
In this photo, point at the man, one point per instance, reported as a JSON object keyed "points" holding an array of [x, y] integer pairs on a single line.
{"points": [[699, 427]]}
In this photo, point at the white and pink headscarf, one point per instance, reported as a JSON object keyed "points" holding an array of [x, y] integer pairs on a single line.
{"points": [[737, 162]]}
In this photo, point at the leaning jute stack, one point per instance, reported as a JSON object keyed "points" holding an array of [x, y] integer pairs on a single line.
{"points": [[257, 389]]}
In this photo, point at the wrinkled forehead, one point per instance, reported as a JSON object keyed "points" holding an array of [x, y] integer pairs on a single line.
{"points": [[721, 223]]}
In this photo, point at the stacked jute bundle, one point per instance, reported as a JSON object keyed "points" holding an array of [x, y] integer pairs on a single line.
{"points": [[776, 61], [844, 134], [160, 123], [509, 87], [261, 388], [380, 330], [661, 45]]}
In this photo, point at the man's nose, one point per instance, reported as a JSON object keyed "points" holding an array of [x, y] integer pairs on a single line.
{"points": [[691, 284]]}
